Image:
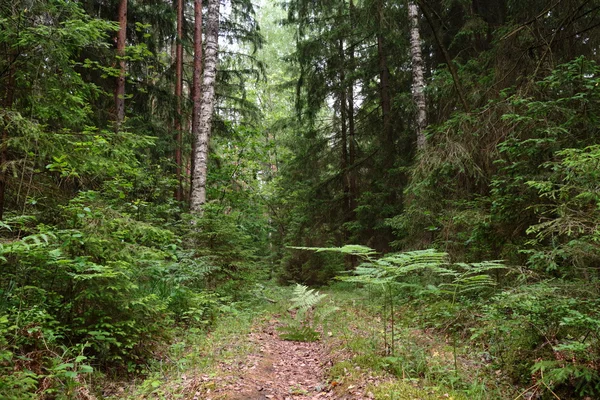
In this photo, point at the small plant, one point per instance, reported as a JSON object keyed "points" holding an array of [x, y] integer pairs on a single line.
{"points": [[413, 275], [307, 316]]}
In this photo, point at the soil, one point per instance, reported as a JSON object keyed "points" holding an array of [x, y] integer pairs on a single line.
{"points": [[278, 370]]}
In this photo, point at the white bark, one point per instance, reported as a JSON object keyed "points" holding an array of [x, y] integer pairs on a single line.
{"points": [[207, 104], [196, 90], [417, 71]]}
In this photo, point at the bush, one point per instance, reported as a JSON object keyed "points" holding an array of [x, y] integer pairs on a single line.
{"points": [[102, 289]]}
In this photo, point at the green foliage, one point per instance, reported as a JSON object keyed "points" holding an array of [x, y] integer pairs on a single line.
{"points": [[544, 332], [416, 271], [570, 214], [226, 248], [97, 265], [98, 261], [102, 289], [43, 55], [310, 312], [310, 267], [299, 333], [540, 334]]}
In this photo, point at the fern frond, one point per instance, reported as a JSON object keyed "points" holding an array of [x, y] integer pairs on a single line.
{"points": [[480, 267], [326, 312], [365, 279], [352, 249], [304, 298], [429, 256], [39, 239]]}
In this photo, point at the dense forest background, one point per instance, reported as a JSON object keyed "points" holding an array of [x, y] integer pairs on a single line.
{"points": [[153, 177]]}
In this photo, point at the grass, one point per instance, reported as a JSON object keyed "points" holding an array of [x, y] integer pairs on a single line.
{"points": [[405, 390], [422, 365]]}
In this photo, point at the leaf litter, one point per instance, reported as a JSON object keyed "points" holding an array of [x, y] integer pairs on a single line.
{"points": [[276, 370]]}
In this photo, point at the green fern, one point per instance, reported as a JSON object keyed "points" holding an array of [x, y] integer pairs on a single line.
{"points": [[353, 249], [309, 314], [393, 269], [473, 277], [304, 298]]}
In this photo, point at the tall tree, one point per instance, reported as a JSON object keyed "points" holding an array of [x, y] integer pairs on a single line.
{"points": [[120, 84], [352, 175], [343, 107], [427, 11], [384, 78], [178, 94], [7, 102], [207, 105], [417, 71], [196, 90]]}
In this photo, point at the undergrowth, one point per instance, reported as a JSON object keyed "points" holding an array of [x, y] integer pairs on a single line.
{"points": [[96, 295], [423, 364], [192, 363], [474, 327], [311, 314]]}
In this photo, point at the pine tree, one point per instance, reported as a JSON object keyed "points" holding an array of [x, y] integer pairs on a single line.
{"points": [[178, 100], [120, 81]]}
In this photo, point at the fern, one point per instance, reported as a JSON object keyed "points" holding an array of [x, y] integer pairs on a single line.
{"points": [[394, 269], [473, 277], [304, 298], [306, 302]]}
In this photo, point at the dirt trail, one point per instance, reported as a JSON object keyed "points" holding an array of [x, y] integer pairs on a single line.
{"points": [[278, 370]]}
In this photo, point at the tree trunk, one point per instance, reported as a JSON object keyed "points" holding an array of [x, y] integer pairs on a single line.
{"points": [[7, 105], [198, 195], [352, 152], [344, 134], [178, 94], [417, 72], [120, 85], [196, 90], [351, 127], [384, 80]]}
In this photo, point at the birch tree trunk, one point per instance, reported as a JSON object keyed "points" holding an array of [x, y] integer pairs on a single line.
{"points": [[207, 104], [178, 94], [417, 72], [120, 84], [196, 90]]}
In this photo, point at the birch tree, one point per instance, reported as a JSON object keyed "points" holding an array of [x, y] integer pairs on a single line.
{"points": [[196, 90], [417, 72], [202, 127]]}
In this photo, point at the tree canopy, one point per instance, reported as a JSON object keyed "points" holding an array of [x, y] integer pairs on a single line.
{"points": [[158, 158]]}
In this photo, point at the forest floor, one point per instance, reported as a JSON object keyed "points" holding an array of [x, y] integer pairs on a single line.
{"points": [[277, 369], [280, 370], [244, 358]]}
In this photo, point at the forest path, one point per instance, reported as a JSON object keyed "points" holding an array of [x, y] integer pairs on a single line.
{"points": [[277, 369]]}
